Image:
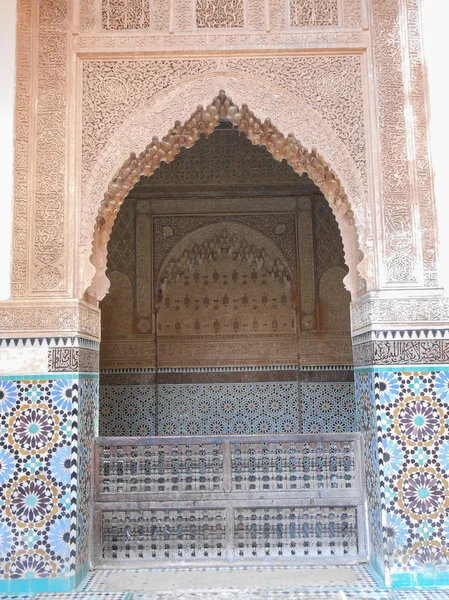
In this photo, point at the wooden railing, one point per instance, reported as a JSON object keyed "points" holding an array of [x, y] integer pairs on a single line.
{"points": [[247, 499]]}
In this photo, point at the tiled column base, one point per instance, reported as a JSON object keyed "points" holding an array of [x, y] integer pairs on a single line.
{"points": [[47, 422], [410, 441]]}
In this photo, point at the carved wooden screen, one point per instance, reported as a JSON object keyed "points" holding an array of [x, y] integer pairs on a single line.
{"points": [[217, 499]]}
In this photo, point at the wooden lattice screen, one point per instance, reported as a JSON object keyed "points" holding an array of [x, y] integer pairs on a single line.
{"points": [[218, 499]]}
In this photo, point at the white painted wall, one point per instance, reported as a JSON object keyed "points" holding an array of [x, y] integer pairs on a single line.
{"points": [[7, 85], [435, 30]]}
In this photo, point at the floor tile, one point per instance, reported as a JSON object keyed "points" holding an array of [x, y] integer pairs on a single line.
{"points": [[91, 595], [360, 576], [428, 594]]}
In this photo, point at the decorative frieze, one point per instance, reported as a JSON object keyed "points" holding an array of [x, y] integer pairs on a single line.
{"points": [[19, 319], [399, 312], [220, 40], [402, 347], [80, 360]]}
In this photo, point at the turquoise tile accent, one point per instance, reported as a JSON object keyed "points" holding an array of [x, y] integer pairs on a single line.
{"points": [[81, 575], [50, 421]]}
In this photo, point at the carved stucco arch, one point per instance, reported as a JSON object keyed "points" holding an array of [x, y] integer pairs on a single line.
{"points": [[290, 111], [254, 247]]}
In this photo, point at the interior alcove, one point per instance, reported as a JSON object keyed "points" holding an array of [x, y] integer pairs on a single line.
{"points": [[227, 311]]}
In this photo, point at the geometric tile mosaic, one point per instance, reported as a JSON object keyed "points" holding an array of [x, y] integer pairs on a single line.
{"points": [[361, 576], [404, 415], [39, 470], [363, 586], [226, 408], [433, 594], [412, 409], [88, 424], [221, 408], [366, 418], [127, 410], [85, 596], [38, 418], [328, 407], [261, 594]]}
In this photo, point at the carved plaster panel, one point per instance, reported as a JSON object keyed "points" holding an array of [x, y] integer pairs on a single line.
{"points": [[399, 312], [144, 260], [221, 40], [134, 15], [256, 14], [402, 352], [82, 360], [273, 232], [40, 149], [49, 270], [307, 288], [130, 172], [311, 13], [131, 352], [328, 242], [226, 158], [235, 205], [419, 125], [334, 301], [227, 351], [125, 14], [352, 13], [332, 85], [216, 14], [23, 136], [226, 296], [325, 348], [121, 248], [406, 183], [17, 318], [45, 44], [117, 307]]}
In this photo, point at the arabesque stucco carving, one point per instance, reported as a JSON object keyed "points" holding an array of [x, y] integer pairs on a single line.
{"points": [[204, 121]]}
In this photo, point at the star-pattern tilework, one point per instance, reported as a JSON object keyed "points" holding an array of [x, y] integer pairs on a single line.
{"points": [[413, 442], [38, 451], [221, 408], [327, 407], [88, 429], [366, 417]]}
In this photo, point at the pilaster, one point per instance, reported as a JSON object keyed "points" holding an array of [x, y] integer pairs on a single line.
{"points": [[48, 419], [401, 358]]}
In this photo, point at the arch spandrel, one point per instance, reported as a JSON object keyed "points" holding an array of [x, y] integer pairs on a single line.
{"points": [[346, 193]]}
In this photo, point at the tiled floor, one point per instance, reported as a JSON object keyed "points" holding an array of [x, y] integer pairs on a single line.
{"points": [[252, 583]]}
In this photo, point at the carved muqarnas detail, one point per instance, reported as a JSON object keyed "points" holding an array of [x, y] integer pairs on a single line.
{"points": [[204, 121], [224, 244]]}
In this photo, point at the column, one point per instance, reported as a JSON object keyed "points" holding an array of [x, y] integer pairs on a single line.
{"points": [[402, 389], [48, 420]]}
